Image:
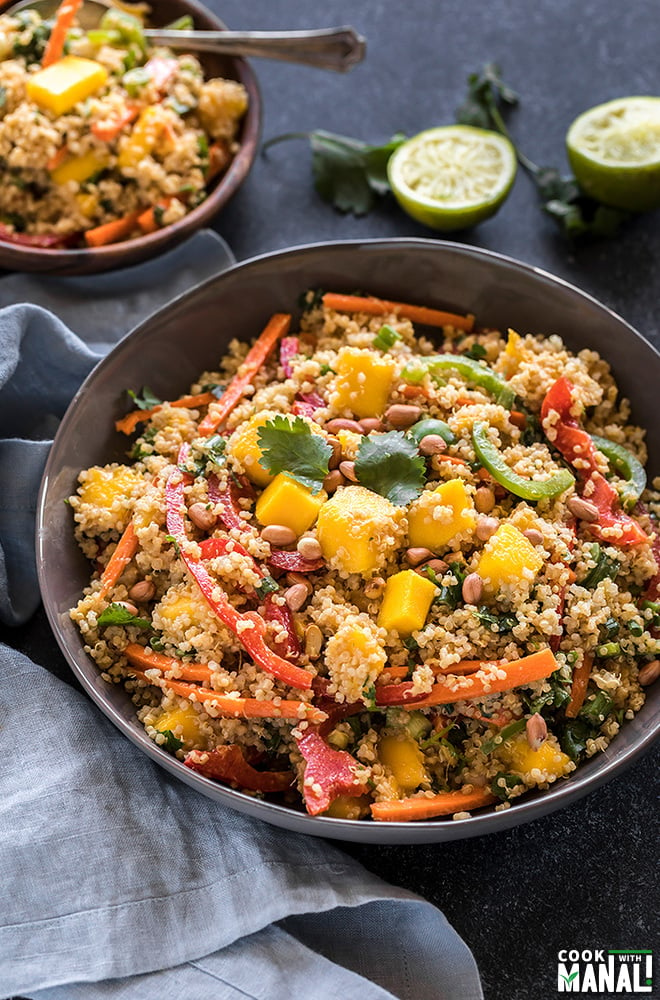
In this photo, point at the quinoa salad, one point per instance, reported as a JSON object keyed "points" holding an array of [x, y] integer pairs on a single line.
{"points": [[104, 137], [389, 565]]}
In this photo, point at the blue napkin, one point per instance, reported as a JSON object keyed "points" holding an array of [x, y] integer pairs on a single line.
{"points": [[118, 880]]}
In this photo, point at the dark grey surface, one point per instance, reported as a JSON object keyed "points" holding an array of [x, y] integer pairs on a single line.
{"points": [[582, 877]]}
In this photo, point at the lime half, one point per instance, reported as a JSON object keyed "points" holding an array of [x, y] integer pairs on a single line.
{"points": [[453, 176], [614, 151]]}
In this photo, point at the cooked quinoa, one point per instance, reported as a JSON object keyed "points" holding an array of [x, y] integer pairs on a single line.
{"points": [[379, 569], [113, 131]]}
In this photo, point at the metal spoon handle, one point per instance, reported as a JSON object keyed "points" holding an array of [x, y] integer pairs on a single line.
{"points": [[337, 49]]}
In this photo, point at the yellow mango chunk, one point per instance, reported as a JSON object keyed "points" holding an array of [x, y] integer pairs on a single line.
{"points": [[79, 168], [363, 382], [508, 558], [60, 86], [548, 759], [290, 503], [183, 723], [181, 606], [103, 486], [437, 516], [402, 756], [348, 807], [244, 446], [358, 529], [406, 602], [87, 204], [144, 137]]}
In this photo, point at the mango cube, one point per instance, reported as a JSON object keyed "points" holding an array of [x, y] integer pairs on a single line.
{"points": [[244, 446], [406, 602], [348, 807], [289, 503], [79, 168], [432, 527], [183, 723], [548, 759], [508, 558], [363, 382], [402, 756], [65, 83], [144, 137], [104, 486], [358, 529], [183, 606]]}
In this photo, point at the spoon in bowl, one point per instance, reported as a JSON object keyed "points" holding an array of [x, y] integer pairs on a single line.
{"points": [[337, 49]]}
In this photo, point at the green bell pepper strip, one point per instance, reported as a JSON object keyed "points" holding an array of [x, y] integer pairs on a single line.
{"points": [[471, 370], [628, 467], [527, 489], [430, 426]]}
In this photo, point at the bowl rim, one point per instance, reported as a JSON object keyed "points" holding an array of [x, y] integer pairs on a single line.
{"points": [[150, 245], [484, 821]]}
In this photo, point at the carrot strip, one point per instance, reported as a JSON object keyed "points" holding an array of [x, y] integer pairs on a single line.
{"points": [[277, 326], [524, 671], [382, 307], [460, 668], [127, 546], [128, 423], [453, 459], [219, 157], [237, 708], [581, 676], [112, 232], [109, 129], [442, 804], [148, 221], [58, 157], [64, 18], [148, 659], [410, 391]]}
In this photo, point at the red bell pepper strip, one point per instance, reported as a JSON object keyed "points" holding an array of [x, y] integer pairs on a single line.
{"points": [[328, 773], [293, 562], [289, 648], [228, 499], [229, 765], [307, 405], [289, 347], [249, 628], [41, 241], [578, 448], [211, 548]]}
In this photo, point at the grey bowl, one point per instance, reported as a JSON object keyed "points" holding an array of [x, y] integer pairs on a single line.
{"points": [[170, 348]]}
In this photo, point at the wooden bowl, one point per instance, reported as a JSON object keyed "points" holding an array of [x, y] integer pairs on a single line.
{"points": [[93, 260]]}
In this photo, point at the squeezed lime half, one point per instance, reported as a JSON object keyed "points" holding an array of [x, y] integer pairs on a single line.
{"points": [[614, 151], [453, 176]]}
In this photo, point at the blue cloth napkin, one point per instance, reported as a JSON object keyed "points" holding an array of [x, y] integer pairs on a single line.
{"points": [[118, 880]]}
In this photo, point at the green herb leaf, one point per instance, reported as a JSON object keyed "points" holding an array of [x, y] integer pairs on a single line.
{"points": [[147, 400], [140, 447], [503, 784], [266, 586], [595, 711], [289, 446], [496, 623], [573, 737], [326, 370], [386, 338], [171, 744], [604, 569], [477, 351], [502, 736], [390, 464], [348, 173], [117, 614], [451, 594]]}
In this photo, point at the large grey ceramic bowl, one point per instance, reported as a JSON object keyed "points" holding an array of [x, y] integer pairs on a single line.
{"points": [[170, 348]]}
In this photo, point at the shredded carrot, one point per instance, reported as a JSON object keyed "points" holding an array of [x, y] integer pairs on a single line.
{"points": [[148, 659], [127, 546], [581, 676], [518, 419], [530, 668], [277, 326], [112, 232], [148, 221], [237, 708], [109, 129], [128, 423], [382, 307], [409, 391], [219, 157], [453, 459], [442, 804], [64, 18], [58, 158], [460, 668]]}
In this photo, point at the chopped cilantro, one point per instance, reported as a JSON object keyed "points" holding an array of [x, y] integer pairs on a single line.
{"points": [[117, 614], [172, 539], [500, 737], [496, 623], [326, 370], [503, 784], [477, 351], [390, 464], [604, 569], [267, 586], [147, 439], [573, 737], [369, 695], [171, 744], [594, 711], [147, 400], [289, 446]]}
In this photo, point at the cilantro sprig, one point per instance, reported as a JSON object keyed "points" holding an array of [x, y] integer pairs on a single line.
{"points": [[145, 401], [390, 464], [289, 446], [117, 614], [348, 173]]}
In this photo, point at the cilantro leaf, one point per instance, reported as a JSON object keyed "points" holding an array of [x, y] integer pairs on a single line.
{"points": [[348, 173], [390, 464], [146, 400], [266, 586], [117, 614], [289, 446], [172, 743]]}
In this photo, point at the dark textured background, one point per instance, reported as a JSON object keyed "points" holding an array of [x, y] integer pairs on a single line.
{"points": [[582, 877]]}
